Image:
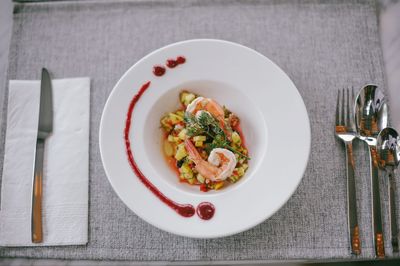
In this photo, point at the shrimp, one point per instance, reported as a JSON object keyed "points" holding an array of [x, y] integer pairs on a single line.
{"points": [[220, 164], [211, 106]]}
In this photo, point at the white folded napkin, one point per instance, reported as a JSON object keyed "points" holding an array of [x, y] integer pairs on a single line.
{"points": [[66, 164]]}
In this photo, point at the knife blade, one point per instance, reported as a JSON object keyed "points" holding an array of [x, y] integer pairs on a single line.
{"points": [[45, 127]]}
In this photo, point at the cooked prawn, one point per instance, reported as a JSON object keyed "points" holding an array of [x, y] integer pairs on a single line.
{"points": [[211, 106], [220, 165]]}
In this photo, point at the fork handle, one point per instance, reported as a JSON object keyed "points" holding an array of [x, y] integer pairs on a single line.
{"points": [[376, 204], [354, 234]]}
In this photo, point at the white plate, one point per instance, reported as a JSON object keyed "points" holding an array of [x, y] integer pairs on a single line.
{"points": [[274, 121]]}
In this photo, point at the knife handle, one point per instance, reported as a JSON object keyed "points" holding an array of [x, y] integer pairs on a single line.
{"points": [[36, 222], [376, 205]]}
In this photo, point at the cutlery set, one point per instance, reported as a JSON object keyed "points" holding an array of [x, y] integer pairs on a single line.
{"points": [[366, 118]]}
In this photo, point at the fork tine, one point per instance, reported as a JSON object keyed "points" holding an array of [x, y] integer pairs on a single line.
{"points": [[348, 118], [337, 109], [343, 117], [353, 116]]}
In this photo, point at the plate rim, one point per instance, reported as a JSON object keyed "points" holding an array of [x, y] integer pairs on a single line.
{"points": [[307, 127]]}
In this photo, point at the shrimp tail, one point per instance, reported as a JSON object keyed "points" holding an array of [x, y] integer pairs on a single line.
{"points": [[194, 155]]}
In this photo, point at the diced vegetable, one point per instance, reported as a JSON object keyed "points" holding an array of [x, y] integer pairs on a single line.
{"points": [[219, 185], [199, 138], [166, 123], [182, 134], [198, 144], [185, 168], [191, 181], [236, 138], [240, 171], [186, 97], [175, 119], [168, 149], [180, 113], [186, 171], [180, 152], [200, 178], [233, 178]]}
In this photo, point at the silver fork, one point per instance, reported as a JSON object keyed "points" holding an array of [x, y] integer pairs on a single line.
{"points": [[346, 131]]}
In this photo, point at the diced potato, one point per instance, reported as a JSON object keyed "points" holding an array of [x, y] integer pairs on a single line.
{"points": [[191, 180], [186, 171], [180, 113], [245, 166], [173, 139], [218, 185], [168, 148], [185, 168], [182, 134], [186, 97], [198, 144], [240, 171], [236, 138], [166, 123], [200, 178], [233, 178], [175, 119], [180, 152], [199, 138]]}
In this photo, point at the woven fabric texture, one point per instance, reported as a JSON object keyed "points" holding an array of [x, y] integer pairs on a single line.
{"points": [[322, 45]]}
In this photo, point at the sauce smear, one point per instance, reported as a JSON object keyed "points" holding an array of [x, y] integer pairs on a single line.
{"points": [[185, 210], [205, 210]]}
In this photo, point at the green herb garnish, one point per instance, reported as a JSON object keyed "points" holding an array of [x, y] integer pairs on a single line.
{"points": [[206, 124]]}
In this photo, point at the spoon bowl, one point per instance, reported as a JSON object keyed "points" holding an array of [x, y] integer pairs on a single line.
{"points": [[371, 113], [388, 146]]}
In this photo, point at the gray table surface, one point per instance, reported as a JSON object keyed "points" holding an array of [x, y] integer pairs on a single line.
{"points": [[112, 225]]}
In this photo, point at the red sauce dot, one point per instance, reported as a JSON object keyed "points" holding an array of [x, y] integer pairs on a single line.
{"points": [[159, 70], [205, 210], [171, 63], [181, 60]]}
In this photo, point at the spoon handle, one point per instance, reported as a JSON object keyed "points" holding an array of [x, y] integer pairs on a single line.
{"points": [[392, 208], [376, 204]]}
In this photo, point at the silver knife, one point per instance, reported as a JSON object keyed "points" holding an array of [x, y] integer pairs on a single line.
{"points": [[45, 127]]}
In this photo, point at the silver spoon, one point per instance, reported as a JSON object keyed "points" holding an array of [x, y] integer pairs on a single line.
{"points": [[371, 117], [389, 154]]}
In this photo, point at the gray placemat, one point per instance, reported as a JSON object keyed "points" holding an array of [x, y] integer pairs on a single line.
{"points": [[321, 45]]}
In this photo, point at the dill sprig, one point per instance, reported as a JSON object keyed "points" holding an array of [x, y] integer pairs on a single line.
{"points": [[206, 124]]}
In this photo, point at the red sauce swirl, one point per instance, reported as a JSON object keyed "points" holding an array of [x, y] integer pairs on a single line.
{"points": [[205, 210]]}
